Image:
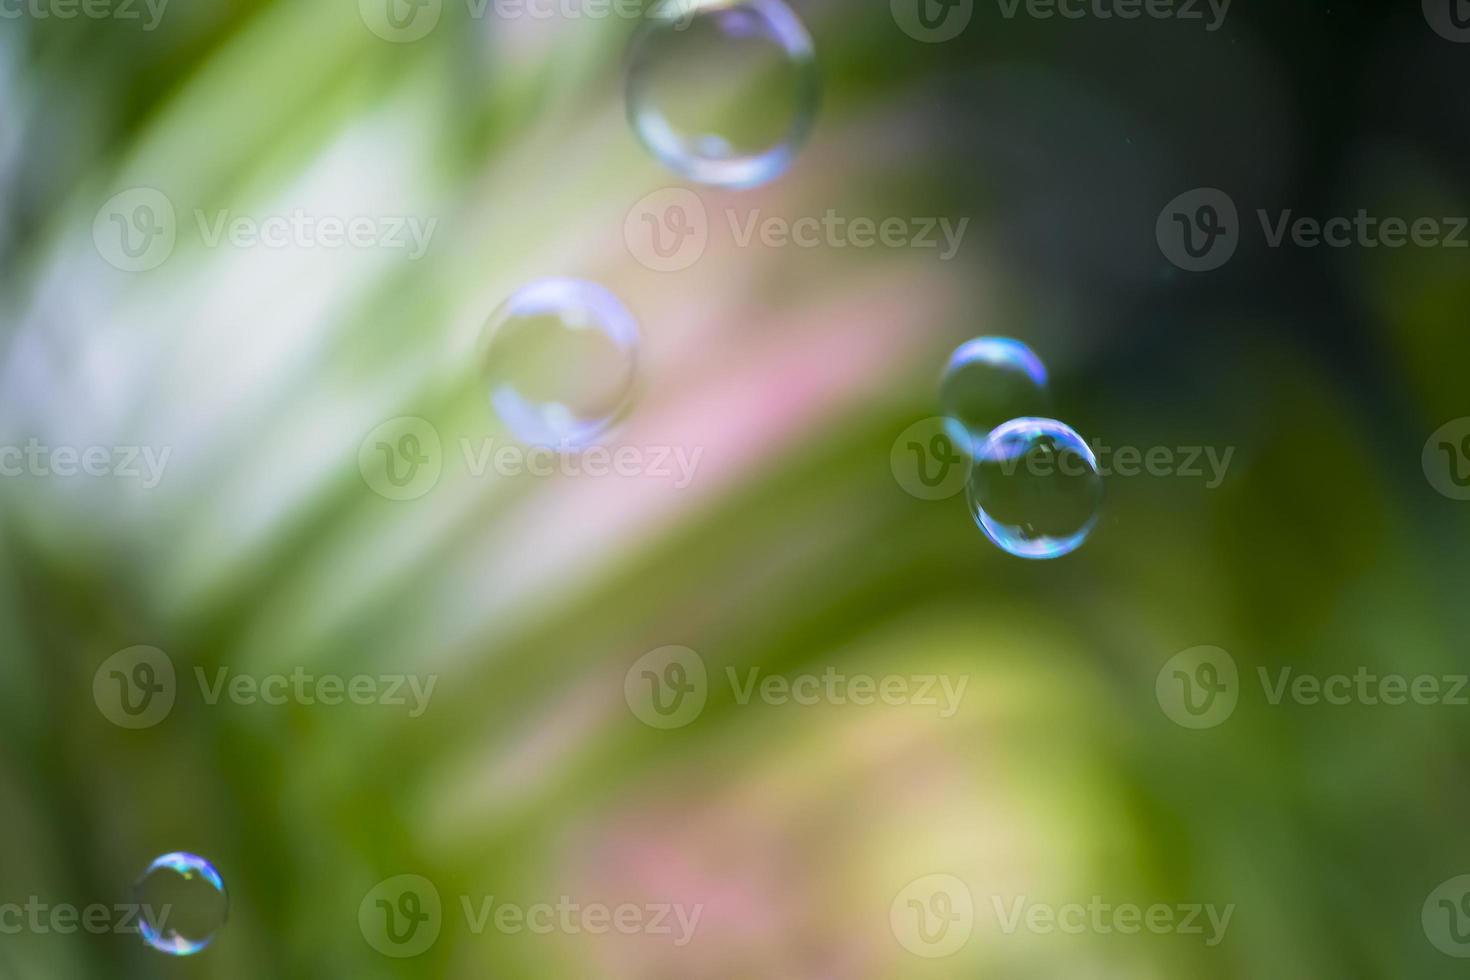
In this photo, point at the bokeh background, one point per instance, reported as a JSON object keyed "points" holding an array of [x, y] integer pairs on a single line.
{"points": [[794, 549]]}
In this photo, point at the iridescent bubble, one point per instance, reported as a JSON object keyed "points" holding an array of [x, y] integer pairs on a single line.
{"points": [[560, 360], [987, 381], [182, 903], [723, 92], [1034, 488]]}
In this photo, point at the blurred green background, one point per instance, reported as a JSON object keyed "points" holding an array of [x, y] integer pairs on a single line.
{"points": [[793, 373]]}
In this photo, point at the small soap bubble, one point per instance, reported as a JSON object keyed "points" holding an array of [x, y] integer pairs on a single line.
{"points": [[181, 902], [560, 360], [987, 381], [722, 92], [1034, 488]]}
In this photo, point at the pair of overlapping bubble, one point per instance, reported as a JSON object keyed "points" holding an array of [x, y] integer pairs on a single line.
{"points": [[1034, 487]]}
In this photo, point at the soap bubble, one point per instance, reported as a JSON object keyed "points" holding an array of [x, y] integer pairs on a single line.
{"points": [[1034, 488], [723, 92], [560, 361], [182, 903], [987, 381]]}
